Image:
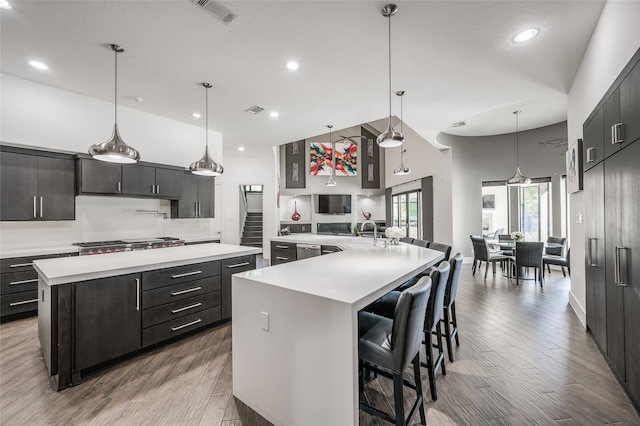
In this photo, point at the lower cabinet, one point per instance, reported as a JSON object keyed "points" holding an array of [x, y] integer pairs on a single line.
{"points": [[107, 319], [230, 267], [85, 324], [282, 252]]}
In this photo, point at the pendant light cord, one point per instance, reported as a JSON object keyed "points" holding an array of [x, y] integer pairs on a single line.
{"points": [[389, 68], [115, 100], [517, 113], [206, 115]]}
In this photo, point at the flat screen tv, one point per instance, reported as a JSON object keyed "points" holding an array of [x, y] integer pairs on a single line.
{"points": [[334, 204]]}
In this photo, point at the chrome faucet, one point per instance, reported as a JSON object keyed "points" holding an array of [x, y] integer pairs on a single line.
{"points": [[375, 230]]}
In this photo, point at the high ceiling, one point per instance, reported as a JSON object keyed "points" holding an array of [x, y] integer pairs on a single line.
{"points": [[455, 60]]}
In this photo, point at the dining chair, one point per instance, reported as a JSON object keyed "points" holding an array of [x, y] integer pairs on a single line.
{"points": [[420, 243], [481, 253], [529, 254], [388, 345], [506, 239], [407, 240], [561, 261], [555, 246]]}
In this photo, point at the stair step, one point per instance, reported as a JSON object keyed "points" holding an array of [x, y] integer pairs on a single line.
{"points": [[252, 233], [253, 220], [251, 239]]}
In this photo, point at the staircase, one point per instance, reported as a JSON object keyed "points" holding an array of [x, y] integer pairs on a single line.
{"points": [[252, 232]]}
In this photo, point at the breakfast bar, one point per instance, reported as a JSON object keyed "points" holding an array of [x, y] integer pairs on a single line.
{"points": [[295, 326]]}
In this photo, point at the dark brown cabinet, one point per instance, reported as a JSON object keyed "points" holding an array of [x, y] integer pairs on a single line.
{"points": [[107, 319], [197, 200], [282, 252], [329, 249], [152, 181], [36, 186], [98, 177], [630, 105], [593, 140], [230, 267]]}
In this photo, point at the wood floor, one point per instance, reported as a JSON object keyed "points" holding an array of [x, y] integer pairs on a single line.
{"points": [[523, 359]]}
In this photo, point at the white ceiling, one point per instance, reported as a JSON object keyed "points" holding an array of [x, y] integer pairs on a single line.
{"points": [[455, 59]]}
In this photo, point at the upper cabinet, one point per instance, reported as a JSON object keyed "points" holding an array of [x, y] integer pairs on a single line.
{"points": [[593, 140], [630, 105], [138, 180], [197, 199], [36, 185]]}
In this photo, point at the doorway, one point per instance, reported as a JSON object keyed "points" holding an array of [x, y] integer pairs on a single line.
{"points": [[250, 215]]}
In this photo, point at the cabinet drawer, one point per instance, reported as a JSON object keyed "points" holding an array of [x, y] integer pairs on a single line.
{"points": [[16, 282], [179, 274], [179, 326], [329, 249], [178, 309], [19, 302], [238, 264], [279, 256], [283, 247], [177, 292], [19, 264]]}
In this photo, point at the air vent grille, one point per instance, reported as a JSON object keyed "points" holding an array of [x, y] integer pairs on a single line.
{"points": [[459, 124], [254, 109], [217, 10]]}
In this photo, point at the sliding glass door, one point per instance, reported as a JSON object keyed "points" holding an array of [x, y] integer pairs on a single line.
{"points": [[406, 213]]}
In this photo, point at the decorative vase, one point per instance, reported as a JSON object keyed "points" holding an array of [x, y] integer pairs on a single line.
{"points": [[395, 241]]}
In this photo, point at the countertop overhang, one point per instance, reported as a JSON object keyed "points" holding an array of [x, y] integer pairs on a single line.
{"points": [[82, 268], [351, 276]]}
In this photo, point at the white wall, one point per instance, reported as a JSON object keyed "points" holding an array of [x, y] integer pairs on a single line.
{"points": [[254, 202], [242, 170], [38, 115], [615, 40]]}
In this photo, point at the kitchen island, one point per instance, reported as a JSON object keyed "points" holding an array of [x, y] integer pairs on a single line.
{"points": [[93, 310], [295, 327]]}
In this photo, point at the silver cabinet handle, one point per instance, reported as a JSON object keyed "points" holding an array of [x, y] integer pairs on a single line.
{"points": [[237, 265], [186, 274], [23, 282], [283, 247], [617, 269], [177, 293], [157, 189], [590, 261], [591, 155], [137, 294], [24, 302], [20, 265], [34, 207], [282, 258], [617, 133], [186, 325], [199, 210], [186, 308], [153, 188], [41, 207], [119, 186]]}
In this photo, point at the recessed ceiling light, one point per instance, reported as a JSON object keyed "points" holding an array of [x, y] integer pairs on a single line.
{"points": [[525, 35], [274, 114], [195, 115], [241, 148], [292, 65], [38, 65], [4, 4]]}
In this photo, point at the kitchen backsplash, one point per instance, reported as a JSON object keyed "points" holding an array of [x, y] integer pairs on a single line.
{"points": [[106, 218]]}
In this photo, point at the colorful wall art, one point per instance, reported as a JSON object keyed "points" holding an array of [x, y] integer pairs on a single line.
{"points": [[346, 159]]}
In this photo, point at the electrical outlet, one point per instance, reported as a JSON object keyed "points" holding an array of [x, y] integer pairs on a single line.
{"points": [[264, 316]]}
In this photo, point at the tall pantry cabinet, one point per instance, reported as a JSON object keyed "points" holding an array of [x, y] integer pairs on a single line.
{"points": [[612, 194]]}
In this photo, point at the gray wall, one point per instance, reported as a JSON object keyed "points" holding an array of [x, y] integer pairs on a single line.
{"points": [[478, 159]]}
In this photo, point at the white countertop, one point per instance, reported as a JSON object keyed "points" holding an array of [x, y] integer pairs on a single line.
{"points": [[350, 276], [81, 268], [10, 253]]}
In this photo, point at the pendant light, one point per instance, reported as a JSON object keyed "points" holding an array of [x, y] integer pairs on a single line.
{"points": [[517, 179], [390, 138], [206, 166], [332, 172], [115, 150], [401, 169]]}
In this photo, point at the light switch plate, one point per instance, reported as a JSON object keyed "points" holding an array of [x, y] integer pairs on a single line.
{"points": [[264, 320]]}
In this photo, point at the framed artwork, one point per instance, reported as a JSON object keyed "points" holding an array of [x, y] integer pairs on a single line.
{"points": [[489, 201], [346, 159], [574, 166]]}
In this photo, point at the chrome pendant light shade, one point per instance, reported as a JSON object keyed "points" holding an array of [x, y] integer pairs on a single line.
{"points": [[401, 169], [517, 179], [391, 137], [206, 166], [332, 172], [115, 150]]}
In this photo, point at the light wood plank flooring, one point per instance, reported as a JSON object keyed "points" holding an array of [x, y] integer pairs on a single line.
{"points": [[524, 359]]}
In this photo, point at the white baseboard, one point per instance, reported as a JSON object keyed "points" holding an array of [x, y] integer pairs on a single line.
{"points": [[578, 309]]}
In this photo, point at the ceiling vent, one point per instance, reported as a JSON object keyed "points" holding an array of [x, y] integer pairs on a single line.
{"points": [[254, 109], [459, 124], [217, 10]]}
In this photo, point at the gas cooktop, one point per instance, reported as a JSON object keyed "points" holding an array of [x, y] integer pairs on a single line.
{"points": [[116, 246]]}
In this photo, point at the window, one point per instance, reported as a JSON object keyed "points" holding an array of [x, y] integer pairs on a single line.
{"points": [[252, 189], [406, 212]]}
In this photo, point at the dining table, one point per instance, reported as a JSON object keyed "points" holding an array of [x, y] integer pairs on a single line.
{"points": [[510, 245]]}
